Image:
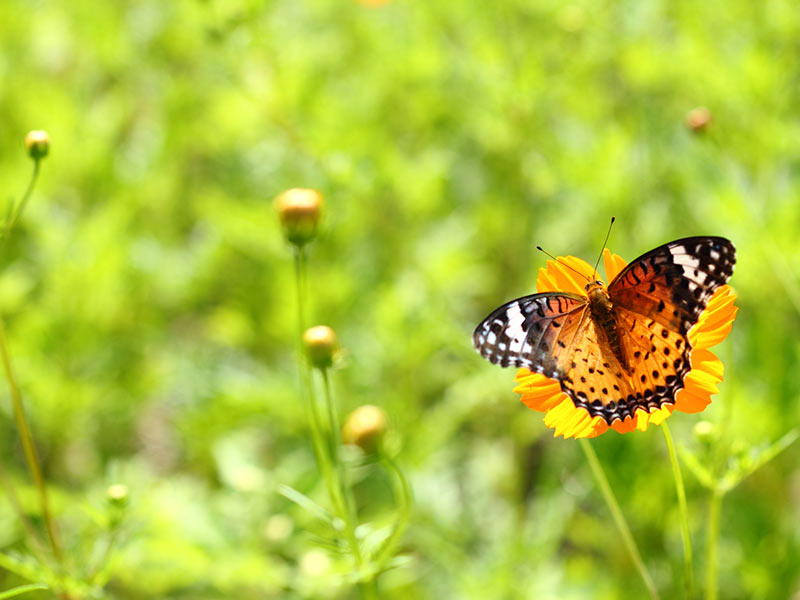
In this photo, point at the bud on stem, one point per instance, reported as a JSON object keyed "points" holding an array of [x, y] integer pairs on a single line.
{"points": [[299, 212], [37, 142]]}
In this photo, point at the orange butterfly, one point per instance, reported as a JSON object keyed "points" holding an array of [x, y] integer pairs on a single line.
{"points": [[620, 348]]}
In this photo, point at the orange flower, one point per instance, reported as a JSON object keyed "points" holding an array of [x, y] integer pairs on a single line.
{"points": [[544, 394]]}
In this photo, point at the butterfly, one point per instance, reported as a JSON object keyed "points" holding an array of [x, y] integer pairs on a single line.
{"points": [[618, 348]]}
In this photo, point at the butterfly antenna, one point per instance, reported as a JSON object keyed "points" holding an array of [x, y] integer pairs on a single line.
{"points": [[561, 262], [604, 246]]}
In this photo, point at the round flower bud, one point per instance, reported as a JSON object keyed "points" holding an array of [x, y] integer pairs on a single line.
{"points": [[698, 119], [37, 142], [299, 211], [365, 427], [321, 344], [117, 494], [704, 431]]}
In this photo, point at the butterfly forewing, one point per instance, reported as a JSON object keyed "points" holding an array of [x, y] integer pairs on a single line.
{"points": [[673, 283], [534, 332]]}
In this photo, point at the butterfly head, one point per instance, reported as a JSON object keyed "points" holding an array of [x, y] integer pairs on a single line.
{"points": [[598, 296], [594, 285]]}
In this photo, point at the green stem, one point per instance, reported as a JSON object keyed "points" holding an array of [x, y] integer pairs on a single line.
{"points": [[403, 496], [619, 519], [343, 491], [684, 513], [303, 366], [28, 446], [712, 538], [23, 427], [94, 572], [15, 213], [327, 458], [37, 544]]}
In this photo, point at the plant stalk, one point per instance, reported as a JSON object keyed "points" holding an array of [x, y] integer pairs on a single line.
{"points": [[619, 518], [326, 452], [15, 213], [29, 448], [403, 497], [684, 513], [712, 540]]}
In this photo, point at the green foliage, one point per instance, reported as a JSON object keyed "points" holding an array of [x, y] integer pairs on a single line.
{"points": [[148, 293]]}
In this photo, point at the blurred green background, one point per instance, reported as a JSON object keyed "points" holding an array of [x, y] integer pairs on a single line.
{"points": [[150, 304]]}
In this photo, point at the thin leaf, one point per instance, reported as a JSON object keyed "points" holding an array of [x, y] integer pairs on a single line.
{"points": [[22, 589], [305, 502], [24, 566], [744, 469], [699, 471]]}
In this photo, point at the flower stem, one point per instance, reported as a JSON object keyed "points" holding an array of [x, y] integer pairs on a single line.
{"points": [[347, 510], [403, 497], [28, 446], [37, 544], [681, 492], [712, 538], [619, 518], [304, 369], [14, 213], [327, 457]]}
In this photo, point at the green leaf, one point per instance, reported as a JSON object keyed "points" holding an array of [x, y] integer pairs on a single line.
{"points": [[305, 502], [702, 474], [24, 566], [749, 464], [22, 589]]}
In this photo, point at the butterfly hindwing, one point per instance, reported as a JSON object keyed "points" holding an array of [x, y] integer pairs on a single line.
{"points": [[595, 379], [534, 332]]}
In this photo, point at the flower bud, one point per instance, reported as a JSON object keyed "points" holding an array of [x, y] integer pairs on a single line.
{"points": [[698, 119], [117, 495], [321, 345], [704, 431], [37, 142], [299, 211], [365, 427]]}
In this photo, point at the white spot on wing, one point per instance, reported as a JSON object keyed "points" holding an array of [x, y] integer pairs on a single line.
{"points": [[687, 260], [514, 329], [689, 272]]}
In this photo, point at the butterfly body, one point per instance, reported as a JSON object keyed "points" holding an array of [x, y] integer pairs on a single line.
{"points": [[619, 348], [601, 310]]}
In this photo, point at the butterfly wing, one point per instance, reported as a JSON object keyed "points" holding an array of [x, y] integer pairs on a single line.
{"points": [[672, 284], [657, 299], [535, 332]]}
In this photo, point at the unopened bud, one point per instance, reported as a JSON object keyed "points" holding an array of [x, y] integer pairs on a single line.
{"points": [[117, 494], [321, 345], [698, 119], [365, 427], [37, 142], [299, 212], [704, 431]]}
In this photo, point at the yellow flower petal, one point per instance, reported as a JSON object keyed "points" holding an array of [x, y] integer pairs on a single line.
{"points": [[558, 277], [538, 392], [613, 263], [626, 426], [716, 321]]}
